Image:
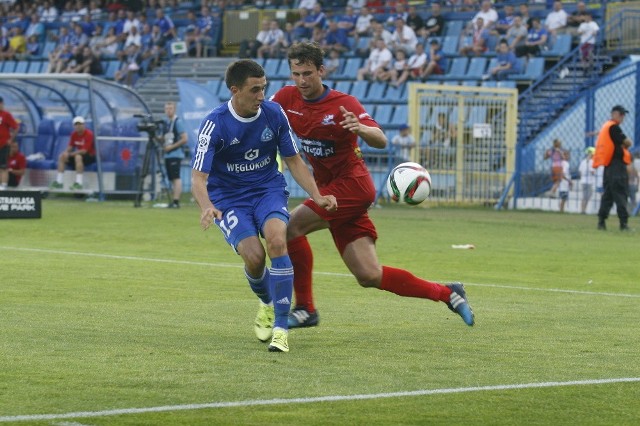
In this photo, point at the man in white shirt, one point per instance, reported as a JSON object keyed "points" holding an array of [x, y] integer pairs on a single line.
{"points": [[556, 22], [379, 60], [403, 37], [488, 14], [587, 178]]}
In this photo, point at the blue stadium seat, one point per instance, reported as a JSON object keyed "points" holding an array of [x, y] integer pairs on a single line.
{"points": [[271, 66], [350, 70], [284, 72], [273, 87], [111, 68], [21, 67], [383, 115], [453, 28], [506, 84], [395, 94], [490, 83], [343, 86], [450, 45], [9, 66], [533, 70], [477, 67], [35, 67], [49, 47], [458, 68], [376, 92], [561, 47], [400, 115], [44, 144], [370, 108], [359, 89]]}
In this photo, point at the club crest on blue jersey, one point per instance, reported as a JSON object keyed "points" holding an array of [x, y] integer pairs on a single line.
{"points": [[252, 154], [267, 135]]}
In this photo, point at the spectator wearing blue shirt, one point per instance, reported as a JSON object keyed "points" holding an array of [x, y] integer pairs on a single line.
{"points": [[35, 28], [335, 39], [436, 61], [507, 61], [300, 29], [316, 18], [536, 40], [167, 29], [347, 22], [504, 22]]}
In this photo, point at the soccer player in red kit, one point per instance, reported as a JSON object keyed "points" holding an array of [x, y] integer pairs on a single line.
{"points": [[328, 124]]}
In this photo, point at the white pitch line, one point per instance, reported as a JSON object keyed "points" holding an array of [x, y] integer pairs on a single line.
{"points": [[333, 274], [333, 398]]}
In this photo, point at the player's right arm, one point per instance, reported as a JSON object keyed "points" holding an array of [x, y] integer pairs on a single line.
{"points": [[372, 135], [199, 190]]}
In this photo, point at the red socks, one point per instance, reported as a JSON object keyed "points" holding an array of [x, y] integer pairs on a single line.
{"points": [[404, 283], [302, 259]]}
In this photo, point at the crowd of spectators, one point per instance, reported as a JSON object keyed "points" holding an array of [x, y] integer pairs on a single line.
{"points": [[400, 43]]}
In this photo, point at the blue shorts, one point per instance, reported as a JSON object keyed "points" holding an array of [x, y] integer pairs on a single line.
{"points": [[244, 217]]}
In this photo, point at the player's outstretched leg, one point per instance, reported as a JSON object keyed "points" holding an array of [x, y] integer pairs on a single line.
{"points": [[279, 341], [263, 325], [458, 303], [301, 317]]}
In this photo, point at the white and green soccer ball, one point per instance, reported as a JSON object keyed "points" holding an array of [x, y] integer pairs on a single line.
{"points": [[409, 182]]}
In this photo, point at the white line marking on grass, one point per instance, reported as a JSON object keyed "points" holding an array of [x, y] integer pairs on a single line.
{"points": [[332, 274], [281, 401]]}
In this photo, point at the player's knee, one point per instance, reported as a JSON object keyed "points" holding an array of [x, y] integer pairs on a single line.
{"points": [[277, 246], [368, 279]]}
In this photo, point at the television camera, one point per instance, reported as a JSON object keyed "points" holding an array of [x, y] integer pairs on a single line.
{"points": [[153, 155]]}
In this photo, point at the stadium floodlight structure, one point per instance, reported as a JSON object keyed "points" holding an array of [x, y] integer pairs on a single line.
{"points": [[108, 108]]}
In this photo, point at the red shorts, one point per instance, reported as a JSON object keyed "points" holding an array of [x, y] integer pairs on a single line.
{"points": [[351, 221], [437, 70]]}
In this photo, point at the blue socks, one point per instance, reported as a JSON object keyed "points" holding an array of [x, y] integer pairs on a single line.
{"points": [[281, 284], [260, 286]]}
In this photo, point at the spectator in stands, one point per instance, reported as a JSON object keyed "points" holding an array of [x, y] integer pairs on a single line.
{"points": [[347, 22], [434, 24], [332, 63], [556, 21], [504, 22], [79, 153], [59, 58], [556, 155], [436, 61], [523, 12], [68, 14], [479, 39], [633, 170], [398, 66], [316, 18], [536, 40], [588, 31], [565, 183], [8, 129], [17, 44], [96, 12], [357, 4], [48, 12], [317, 35], [106, 46], [507, 62], [488, 15], [415, 66], [399, 11], [81, 9], [249, 48], [133, 37], [87, 63], [174, 140], [36, 28], [130, 70], [17, 165], [167, 29], [517, 34], [335, 39], [576, 18], [403, 143], [307, 4], [379, 60], [415, 21], [272, 44], [379, 31], [88, 26], [403, 38], [130, 22], [79, 38], [300, 29], [363, 23], [33, 47], [587, 178], [205, 33]]}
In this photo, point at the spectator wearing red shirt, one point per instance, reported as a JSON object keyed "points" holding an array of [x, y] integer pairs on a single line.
{"points": [[79, 153], [17, 164], [8, 129]]}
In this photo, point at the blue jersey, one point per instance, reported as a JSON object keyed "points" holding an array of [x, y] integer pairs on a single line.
{"points": [[239, 154]]}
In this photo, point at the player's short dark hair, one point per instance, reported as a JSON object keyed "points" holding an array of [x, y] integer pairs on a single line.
{"points": [[306, 53], [239, 71]]}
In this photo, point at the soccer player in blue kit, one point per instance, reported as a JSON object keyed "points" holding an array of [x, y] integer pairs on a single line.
{"points": [[236, 183]]}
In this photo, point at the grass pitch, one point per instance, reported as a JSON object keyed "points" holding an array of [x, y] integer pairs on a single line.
{"points": [[114, 315]]}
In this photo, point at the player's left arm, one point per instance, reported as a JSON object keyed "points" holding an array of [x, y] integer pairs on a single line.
{"points": [[372, 135], [301, 174]]}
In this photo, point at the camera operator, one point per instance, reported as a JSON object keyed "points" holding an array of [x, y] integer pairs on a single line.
{"points": [[174, 138]]}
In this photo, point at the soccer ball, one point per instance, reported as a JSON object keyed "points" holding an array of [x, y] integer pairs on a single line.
{"points": [[409, 182]]}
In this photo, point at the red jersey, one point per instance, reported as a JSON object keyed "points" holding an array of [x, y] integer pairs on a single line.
{"points": [[83, 141], [17, 161], [7, 122], [332, 151]]}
